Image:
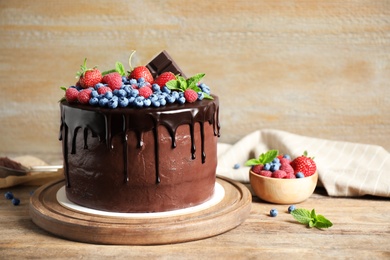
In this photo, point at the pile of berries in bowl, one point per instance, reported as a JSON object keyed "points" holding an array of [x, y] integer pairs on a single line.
{"points": [[279, 179]]}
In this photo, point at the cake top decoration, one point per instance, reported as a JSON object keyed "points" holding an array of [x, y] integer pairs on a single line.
{"points": [[161, 82]]}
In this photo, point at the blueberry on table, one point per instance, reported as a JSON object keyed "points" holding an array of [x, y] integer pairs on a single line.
{"points": [[273, 212], [8, 195]]}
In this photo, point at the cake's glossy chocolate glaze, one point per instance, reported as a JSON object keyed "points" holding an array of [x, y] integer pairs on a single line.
{"points": [[136, 143]]}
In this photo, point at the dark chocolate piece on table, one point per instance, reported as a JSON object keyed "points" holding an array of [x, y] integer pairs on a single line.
{"points": [[163, 63]]}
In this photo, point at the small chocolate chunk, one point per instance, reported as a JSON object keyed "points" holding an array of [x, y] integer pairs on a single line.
{"points": [[163, 63]]}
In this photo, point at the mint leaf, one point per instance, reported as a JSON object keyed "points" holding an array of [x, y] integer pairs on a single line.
{"points": [[173, 85], [323, 222], [302, 216], [268, 156], [63, 88], [263, 158], [252, 162], [310, 218], [120, 68], [191, 82], [207, 96]]}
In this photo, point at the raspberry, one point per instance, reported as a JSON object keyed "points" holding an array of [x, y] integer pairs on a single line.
{"points": [[113, 80], [104, 90], [279, 174], [266, 173], [84, 96], [145, 92], [257, 168], [190, 95], [285, 166], [290, 175], [71, 95]]}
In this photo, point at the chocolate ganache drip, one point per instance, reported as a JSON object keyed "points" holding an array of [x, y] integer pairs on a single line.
{"points": [[106, 123]]}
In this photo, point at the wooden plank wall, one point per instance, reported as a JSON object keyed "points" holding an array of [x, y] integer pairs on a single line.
{"points": [[316, 68]]}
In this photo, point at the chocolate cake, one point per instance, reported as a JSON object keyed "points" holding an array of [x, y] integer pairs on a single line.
{"points": [[140, 159]]}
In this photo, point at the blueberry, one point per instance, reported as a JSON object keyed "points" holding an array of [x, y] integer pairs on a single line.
{"points": [[274, 167], [94, 93], [133, 81], [134, 93], [9, 195], [156, 103], [267, 167], [94, 101], [155, 87], [175, 94], [139, 102], [181, 100], [171, 99], [162, 101], [291, 208], [99, 85], [300, 175], [147, 102], [103, 102], [153, 97], [112, 103], [108, 95], [236, 166], [124, 79], [287, 156], [121, 93], [165, 89], [15, 201], [141, 80], [123, 102], [200, 95], [273, 212], [276, 160]]}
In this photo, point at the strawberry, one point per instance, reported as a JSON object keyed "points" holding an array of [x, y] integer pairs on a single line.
{"points": [[145, 92], [113, 80], [141, 72], [84, 96], [71, 95], [304, 164], [88, 77], [190, 95], [164, 78]]}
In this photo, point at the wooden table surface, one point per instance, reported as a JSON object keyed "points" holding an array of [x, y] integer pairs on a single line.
{"points": [[361, 230]]}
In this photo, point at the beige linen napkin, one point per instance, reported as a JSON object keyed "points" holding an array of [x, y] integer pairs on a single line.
{"points": [[344, 168]]}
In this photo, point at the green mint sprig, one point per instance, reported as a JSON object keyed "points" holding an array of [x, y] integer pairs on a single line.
{"points": [[181, 84], [263, 158], [310, 218], [118, 68]]}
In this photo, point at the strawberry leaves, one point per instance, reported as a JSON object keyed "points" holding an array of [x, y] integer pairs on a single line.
{"points": [[263, 158], [181, 84], [310, 218]]}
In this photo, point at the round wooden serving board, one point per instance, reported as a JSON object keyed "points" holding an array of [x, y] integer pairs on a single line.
{"points": [[50, 215]]}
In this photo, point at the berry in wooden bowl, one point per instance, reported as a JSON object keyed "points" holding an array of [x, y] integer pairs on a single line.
{"points": [[278, 179]]}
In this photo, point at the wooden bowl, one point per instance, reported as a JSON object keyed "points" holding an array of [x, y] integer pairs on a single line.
{"points": [[283, 191]]}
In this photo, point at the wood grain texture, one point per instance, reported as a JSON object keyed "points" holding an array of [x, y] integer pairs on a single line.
{"points": [[317, 68], [361, 230]]}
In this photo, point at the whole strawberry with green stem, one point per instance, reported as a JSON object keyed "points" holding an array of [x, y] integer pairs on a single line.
{"points": [[140, 72], [304, 164], [88, 77]]}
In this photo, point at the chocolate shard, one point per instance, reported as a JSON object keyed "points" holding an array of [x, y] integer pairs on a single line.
{"points": [[163, 63]]}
